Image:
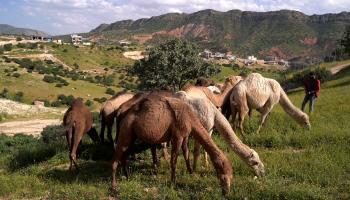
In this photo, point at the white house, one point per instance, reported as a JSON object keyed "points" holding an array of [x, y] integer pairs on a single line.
{"points": [[76, 39]]}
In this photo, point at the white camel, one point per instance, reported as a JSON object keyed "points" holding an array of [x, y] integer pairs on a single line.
{"points": [[257, 92], [211, 117]]}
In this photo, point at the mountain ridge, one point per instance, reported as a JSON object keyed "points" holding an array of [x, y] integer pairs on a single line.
{"points": [[11, 30], [288, 32]]}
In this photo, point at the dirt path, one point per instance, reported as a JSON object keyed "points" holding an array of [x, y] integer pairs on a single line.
{"points": [[336, 69], [31, 127]]}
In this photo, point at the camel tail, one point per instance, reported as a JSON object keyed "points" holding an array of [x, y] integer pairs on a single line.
{"points": [[292, 110]]}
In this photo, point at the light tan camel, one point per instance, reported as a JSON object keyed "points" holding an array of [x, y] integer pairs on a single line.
{"points": [[257, 92], [107, 113], [217, 99], [77, 121], [157, 119], [211, 117]]}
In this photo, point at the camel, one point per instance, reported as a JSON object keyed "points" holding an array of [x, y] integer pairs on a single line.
{"points": [[217, 99], [77, 121], [257, 92], [211, 117], [156, 119], [107, 113]]}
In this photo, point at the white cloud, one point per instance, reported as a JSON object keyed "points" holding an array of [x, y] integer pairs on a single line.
{"points": [[83, 15]]}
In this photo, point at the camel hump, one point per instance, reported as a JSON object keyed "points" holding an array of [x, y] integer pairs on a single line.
{"points": [[177, 106]]}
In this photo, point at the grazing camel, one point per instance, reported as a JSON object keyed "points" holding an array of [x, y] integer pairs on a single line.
{"points": [[211, 117], [257, 92], [157, 119], [217, 99], [77, 121], [107, 113]]}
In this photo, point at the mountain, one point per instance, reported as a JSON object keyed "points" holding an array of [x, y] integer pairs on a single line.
{"points": [[283, 33], [10, 30]]}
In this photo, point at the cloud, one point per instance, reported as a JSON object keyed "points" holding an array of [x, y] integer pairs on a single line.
{"points": [[84, 15]]}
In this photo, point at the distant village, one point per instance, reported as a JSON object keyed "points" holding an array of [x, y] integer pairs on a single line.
{"points": [[227, 57]]}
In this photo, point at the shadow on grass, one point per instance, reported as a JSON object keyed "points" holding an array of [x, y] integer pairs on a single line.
{"points": [[89, 172]]}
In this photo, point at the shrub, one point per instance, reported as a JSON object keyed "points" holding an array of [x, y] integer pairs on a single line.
{"points": [[56, 103], [49, 79], [21, 45], [51, 134], [110, 91], [33, 46], [65, 50], [19, 96], [8, 47], [89, 103], [59, 85], [18, 39], [76, 66], [16, 75], [1, 51], [5, 93], [47, 103]]}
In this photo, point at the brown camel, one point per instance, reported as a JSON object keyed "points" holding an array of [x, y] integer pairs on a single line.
{"points": [[157, 119], [107, 113], [77, 121], [217, 99], [124, 108], [257, 92]]}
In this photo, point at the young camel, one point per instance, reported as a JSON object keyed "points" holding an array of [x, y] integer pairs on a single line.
{"points": [[211, 117], [217, 99], [257, 92], [157, 119], [77, 121], [107, 113]]}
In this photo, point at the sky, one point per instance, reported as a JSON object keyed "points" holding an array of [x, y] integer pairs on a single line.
{"points": [[75, 16]]}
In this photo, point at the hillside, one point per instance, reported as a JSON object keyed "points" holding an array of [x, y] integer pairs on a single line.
{"points": [[300, 164], [282, 33], [10, 30]]}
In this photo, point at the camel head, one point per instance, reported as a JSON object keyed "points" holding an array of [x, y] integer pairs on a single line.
{"points": [[233, 80], [255, 162], [224, 172], [304, 121]]}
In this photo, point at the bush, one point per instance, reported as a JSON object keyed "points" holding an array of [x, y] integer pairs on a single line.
{"points": [[56, 103], [33, 46], [65, 50], [76, 66], [51, 134], [49, 79], [8, 47], [89, 103], [47, 103], [1, 51], [110, 91], [19, 96], [5, 93], [21, 45], [18, 39], [16, 75], [59, 85]]}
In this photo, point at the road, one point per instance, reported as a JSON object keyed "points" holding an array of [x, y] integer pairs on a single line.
{"points": [[31, 127]]}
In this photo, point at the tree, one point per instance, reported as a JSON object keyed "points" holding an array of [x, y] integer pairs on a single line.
{"points": [[170, 65], [345, 41], [110, 91]]}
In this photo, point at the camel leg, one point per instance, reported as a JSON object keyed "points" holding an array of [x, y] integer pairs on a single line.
{"points": [[264, 113], [154, 156], [186, 155], [165, 151], [102, 132], [69, 134], [175, 148], [78, 134], [233, 113], [206, 154], [109, 132], [121, 152], [242, 114], [196, 154]]}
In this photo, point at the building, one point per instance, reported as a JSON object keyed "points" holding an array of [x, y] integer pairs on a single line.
{"points": [[124, 43], [207, 54], [57, 41], [219, 55], [252, 58], [76, 39]]}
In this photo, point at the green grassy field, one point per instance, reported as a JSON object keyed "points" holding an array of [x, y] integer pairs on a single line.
{"points": [[300, 164]]}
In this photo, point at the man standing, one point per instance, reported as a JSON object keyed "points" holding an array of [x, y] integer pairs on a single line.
{"points": [[312, 90]]}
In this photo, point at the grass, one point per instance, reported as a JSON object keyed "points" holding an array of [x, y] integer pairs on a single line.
{"points": [[33, 87], [300, 164], [90, 58]]}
